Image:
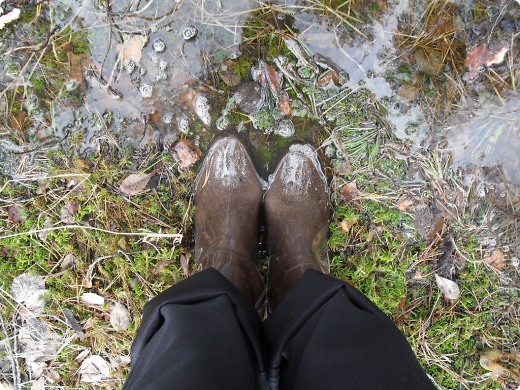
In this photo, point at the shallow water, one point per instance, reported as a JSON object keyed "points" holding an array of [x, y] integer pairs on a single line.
{"points": [[154, 88]]}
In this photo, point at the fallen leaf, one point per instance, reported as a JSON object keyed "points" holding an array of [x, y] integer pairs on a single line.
{"points": [[481, 56], [404, 204], [449, 288], [46, 225], [18, 120], [135, 183], [349, 191], [285, 104], [69, 261], [501, 364], [131, 49], [328, 78], [119, 317], [496, 260], [39, 344], [408, 92], [269, 78], [160, 266], [82, 164], [82, 355], [186, 153], [15, 214], [29, 291], [68, 211], [92, 299], [94, 369], [185, 264], [371, 234], [346, 225], [77, 65]]}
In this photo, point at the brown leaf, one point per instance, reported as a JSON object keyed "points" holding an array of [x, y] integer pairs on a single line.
{"points": [[501, 364], [349, 191], [481, 56], [346, 225], [18, 120], [185, 264], [186, 153], [68, 211], [131, 50], [160, 266], [328, 78], [496, 260], [82, 164], [135, 183], [69, 261], [404, 204], [15, 214], [269, 77], [371, 234], [285, 104], [78, 63]]}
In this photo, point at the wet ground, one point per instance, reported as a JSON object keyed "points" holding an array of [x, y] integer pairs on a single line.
{"points": [[153, 74], [371, 84]]}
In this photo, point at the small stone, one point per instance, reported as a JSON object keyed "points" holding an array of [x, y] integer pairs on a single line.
{"points": [[189, 32], [130, 66], [183, 124], [201, 107], [222, 122], [167, 118], [146, 90], [285, 129], [158, 45], [163, 65]]}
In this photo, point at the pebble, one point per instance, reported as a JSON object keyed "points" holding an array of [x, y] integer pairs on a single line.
{"points": [[285, 129], [146, 90], [189, 32], [167, 118], [158, 45], [201, 107], [183, 124]]}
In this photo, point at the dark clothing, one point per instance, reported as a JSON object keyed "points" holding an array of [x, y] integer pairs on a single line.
{"points": [[203, 334]]}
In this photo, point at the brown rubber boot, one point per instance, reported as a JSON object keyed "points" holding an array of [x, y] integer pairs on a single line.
{"points": [[297, 213], [228, 201]]}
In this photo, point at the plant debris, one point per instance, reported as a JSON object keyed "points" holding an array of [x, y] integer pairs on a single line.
{"points": [[135, 183], [481, 56], [94, 369], [449, 288], [119, 317]]}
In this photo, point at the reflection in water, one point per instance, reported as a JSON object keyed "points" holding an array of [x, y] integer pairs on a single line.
{"points": [[488, 135]]}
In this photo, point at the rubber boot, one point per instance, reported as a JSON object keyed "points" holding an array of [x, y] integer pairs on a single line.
{"points": [[228, 201], [297, 213]]}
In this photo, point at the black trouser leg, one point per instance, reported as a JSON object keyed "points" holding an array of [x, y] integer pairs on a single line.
{"points": [[199, 334], [327, 335]]}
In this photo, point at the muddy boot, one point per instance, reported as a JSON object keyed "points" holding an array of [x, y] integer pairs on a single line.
{"points": [[228, 200], [297, 215]]}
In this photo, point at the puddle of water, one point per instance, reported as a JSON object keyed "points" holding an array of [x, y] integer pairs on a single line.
{"points": [[366, 61], [487, 134], [218, 26]]}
